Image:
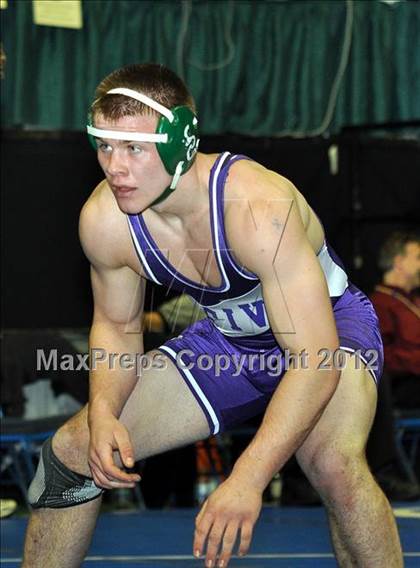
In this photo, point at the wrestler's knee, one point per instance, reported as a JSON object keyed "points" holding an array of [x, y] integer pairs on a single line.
{"points": [[71, 443], [63, 477], [335, 472]]}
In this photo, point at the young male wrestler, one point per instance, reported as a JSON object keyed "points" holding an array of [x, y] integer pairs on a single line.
{"points": [[244, 243]]}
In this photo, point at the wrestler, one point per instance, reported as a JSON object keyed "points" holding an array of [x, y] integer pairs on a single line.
{"points": [[243, 242]]}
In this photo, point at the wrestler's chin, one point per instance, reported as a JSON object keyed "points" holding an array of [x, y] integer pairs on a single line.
{"points": [[131, 206]]}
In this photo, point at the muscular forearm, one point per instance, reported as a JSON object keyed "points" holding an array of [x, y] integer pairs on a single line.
{"points": [[114, 367], [295, 408]]}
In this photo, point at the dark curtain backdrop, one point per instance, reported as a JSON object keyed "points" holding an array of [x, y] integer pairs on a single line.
{"points": [[47, 176], [258, 67]]}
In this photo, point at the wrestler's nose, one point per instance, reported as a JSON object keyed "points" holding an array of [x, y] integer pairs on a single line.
{"points": [[116, 165]]}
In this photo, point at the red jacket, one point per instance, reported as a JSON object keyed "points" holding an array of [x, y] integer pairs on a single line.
{"points": [[399, 319]]}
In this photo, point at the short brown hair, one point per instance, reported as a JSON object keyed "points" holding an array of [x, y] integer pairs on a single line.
{"points": [[152, 79], [393, 246]]}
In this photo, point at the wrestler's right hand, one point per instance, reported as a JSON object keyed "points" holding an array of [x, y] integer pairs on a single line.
{"points": [[107, 435]]}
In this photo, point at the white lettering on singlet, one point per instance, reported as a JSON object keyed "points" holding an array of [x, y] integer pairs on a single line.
{"points": [[246, 315]]}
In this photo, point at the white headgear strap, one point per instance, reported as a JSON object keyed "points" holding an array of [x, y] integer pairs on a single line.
{"points": [[136, 136]]}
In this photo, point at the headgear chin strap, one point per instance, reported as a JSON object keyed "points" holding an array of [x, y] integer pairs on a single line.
{"points": [[176, 136]]}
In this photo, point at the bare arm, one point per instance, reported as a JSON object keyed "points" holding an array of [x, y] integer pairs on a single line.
{"points": [[118, 293], [118, 304], [297, 301], [299, 309]]}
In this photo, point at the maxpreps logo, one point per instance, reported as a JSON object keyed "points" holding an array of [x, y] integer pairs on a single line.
{"points": [[191, 142]]}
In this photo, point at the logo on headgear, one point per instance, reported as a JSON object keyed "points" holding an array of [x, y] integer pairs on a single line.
{"points": [[191, 142]]}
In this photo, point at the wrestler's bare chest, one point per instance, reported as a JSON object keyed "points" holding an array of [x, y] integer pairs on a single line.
{"points": [[187, 245]]}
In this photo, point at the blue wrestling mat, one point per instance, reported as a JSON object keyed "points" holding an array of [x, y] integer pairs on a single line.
{"points": [[284, 537]]}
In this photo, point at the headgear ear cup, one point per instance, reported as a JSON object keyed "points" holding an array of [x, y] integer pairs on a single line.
{"points": [[182, 142]]}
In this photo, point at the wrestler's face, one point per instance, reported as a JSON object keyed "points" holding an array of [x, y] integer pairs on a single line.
{"points": [[134, 170], [409, 264]]}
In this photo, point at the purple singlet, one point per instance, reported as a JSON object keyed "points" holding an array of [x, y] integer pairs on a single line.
{"points": [[231, 360]]}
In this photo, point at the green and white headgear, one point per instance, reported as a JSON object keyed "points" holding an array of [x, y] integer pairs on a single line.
{"points": [[176, 135]]}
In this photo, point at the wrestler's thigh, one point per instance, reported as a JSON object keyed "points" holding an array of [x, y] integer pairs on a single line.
{"points": [[161, 412], [346, 421]]}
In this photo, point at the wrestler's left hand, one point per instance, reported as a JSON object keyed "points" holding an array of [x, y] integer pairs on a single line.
{"points": [[232, 508]]}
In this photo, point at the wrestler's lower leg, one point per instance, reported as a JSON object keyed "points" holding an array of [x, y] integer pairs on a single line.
{"points": [[61, 537], [363, 527], [51, 538], [160, 414], [343, 556]]}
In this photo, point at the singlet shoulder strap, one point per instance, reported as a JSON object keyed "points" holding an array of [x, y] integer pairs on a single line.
{"points": [[220, 172]]}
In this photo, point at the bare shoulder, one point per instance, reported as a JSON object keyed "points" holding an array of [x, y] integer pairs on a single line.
{"points": [[259, 202], [254, 190], [260, 178], [103, 229]]}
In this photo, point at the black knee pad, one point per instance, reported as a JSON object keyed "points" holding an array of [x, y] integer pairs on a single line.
{"points": [[56, 486]]}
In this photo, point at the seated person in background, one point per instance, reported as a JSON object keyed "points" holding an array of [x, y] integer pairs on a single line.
{"points": [[398, 310]]}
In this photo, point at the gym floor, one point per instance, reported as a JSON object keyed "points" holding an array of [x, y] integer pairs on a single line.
{"points": [[284, 537]]}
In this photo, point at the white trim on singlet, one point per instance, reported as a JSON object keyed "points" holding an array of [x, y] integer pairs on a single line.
{"points": [[216, 221], [258, 285], [236, 267], [335, 276], [351, 350], [228, 253], [197, 389], [139, 249]]}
